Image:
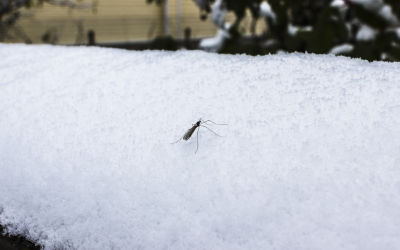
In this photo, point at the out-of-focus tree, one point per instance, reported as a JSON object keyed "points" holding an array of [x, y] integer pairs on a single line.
{"points": [[367, 29], [364, 29], [374, 26], [305, 26], [11, 12]]}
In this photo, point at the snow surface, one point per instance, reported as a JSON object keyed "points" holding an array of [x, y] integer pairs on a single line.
{"points": [[310, 159]]}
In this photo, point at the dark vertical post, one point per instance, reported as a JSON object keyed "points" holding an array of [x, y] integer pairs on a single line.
{"points": [[187, 38], [91, 40]]}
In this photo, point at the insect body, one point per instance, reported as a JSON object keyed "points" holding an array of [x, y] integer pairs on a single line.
{"points": [[198, 124]]}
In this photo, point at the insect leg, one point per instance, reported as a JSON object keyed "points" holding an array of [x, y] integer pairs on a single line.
{"points": [[177, 140], [211, 130], [211, 121], [197, 140]]}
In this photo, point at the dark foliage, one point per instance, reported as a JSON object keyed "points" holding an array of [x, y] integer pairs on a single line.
{"points": [[319, 28], [15, 242], [163, 43]]}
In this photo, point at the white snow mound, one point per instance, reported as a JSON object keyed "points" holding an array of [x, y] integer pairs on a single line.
{"points": [[310, 158]]}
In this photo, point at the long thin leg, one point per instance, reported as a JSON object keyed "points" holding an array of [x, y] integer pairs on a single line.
{"points": [[177, 140], [202, 121], [197, 140], [211, 130]]}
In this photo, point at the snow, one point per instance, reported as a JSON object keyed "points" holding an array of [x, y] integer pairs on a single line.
{"points": [[369, 4], [292, 30], [377, 6], [338, 3], [386, 12], [366, 33], [344, 48], [266, 11], [214, 44], [310, 158], [218, 14]]}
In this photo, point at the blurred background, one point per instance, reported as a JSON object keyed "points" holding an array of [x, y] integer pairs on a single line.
{"points": [[367, 29]]}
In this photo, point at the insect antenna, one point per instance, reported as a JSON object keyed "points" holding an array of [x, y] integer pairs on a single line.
{"points": [[202, 121]]}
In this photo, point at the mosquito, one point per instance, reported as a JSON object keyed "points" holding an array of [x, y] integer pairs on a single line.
{"points": [[198, 124]]}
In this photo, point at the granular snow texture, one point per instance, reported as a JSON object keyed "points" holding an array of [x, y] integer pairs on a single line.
{"points": [[310, 158]]}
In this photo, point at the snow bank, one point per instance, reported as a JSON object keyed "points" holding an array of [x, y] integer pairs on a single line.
{"points": [[310, 159]]}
